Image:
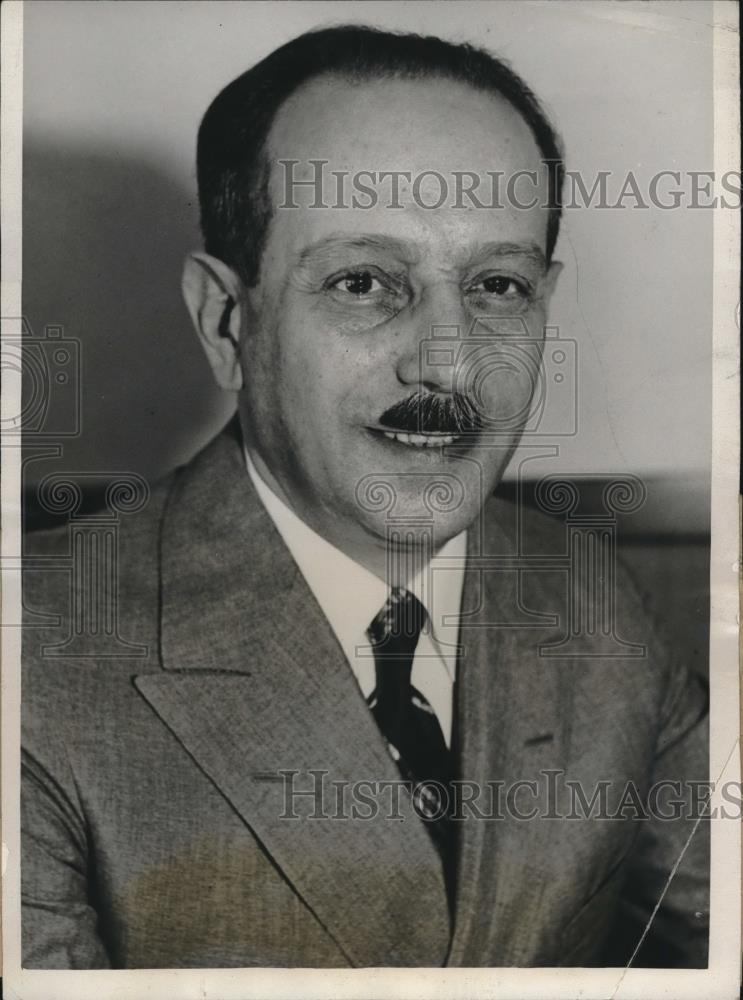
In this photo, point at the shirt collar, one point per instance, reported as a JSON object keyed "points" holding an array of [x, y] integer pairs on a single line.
{"points": [[350, 595]]}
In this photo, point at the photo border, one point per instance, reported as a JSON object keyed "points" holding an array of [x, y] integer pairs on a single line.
{"points": [[721, 979]]}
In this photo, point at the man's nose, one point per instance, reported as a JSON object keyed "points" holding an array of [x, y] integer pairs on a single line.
{"points": [[427, 359]]}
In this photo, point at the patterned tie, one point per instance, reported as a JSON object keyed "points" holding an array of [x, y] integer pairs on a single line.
{"points": [[406, 719]]}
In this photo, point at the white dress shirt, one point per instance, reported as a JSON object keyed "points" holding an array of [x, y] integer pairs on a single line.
{"points": [[350, 596]]}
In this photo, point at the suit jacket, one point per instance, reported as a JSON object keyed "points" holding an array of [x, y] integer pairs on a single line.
{"points": [[155, 829]]}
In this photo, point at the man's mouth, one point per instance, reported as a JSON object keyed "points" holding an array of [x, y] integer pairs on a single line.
{"points": [[429, 420], [418, 440]]}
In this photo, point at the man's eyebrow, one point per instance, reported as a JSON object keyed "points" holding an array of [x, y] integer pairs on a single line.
{"points": [[505, 249], [366, 241], [407, 251]]}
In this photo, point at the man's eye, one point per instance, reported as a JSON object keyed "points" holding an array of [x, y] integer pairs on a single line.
{"points": [[502, 287], [357, 283]]}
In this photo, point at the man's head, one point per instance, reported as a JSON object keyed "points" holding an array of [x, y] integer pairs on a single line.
{"points": [[324, 303]]}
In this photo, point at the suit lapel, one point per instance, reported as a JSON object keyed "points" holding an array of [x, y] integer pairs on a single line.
{"points": [[254, 684], [511, 716]]}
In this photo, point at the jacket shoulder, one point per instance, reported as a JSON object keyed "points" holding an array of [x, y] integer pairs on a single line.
{"points": [[575, 571], [90, 585]]}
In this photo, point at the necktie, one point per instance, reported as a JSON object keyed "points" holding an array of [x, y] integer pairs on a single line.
{"points": [[407, 721]]}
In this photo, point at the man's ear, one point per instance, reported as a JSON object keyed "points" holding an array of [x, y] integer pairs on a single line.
{"points": [[212, 294]]}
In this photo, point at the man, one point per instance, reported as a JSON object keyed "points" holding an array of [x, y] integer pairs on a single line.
{"points": [[301, 771]]}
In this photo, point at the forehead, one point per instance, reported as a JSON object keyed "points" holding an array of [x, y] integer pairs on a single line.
{"points": [[429, 128], [402, 124]]}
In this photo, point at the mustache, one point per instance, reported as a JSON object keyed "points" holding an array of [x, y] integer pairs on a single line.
{"points": [[428, 413]]}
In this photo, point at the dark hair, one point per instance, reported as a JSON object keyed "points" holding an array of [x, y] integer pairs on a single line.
{"points": [[233, 173]]}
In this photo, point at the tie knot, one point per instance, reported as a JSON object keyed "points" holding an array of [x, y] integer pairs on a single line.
{"points": [[398, 625]]}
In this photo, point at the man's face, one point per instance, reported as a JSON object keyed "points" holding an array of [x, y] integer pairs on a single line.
{"points": [[339, 327]]}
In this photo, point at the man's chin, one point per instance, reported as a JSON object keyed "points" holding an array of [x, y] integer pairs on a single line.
{"points": [[425, 520], [403, 482]]}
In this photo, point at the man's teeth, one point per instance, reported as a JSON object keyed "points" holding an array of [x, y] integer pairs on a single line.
{"points": [[421, 440]]}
